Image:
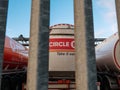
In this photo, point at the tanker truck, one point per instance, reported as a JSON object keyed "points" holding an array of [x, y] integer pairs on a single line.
{"points": [[108, 63], [15, 61]]}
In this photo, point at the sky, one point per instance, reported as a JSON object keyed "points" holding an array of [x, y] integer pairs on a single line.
{"points": [[61, 11], [105, 21], [18, 18]]}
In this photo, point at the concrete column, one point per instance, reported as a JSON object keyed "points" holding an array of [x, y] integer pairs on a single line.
{"points": [[37, 76], [84, 46], [118, 14], [3, 20]]}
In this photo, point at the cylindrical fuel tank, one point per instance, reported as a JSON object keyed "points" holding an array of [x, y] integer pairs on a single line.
{"points": [[108, 55], [15, 56], [61, 48]]}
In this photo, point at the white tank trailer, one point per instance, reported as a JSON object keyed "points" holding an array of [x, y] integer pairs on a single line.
{"points": [[62, 57], [61, 51]]}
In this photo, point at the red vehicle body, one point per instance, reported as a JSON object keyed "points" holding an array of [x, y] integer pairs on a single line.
{"points": [[15, 56]]}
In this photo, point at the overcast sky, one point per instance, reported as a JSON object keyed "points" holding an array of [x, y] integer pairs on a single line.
{"points": [[61, 11]]}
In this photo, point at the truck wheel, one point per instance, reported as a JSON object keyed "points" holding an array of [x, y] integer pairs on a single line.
{"points": [[106, 85], [19, 84], [5, 85], [16, 83], [100, 79]]}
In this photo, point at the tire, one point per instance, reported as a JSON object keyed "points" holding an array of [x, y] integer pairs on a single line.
{"points": [[6, 85], [16, 83], [19, 85], [106, 84], [100, 79]]}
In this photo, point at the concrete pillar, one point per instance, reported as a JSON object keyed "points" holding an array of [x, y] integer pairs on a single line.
{"points": [[3, 20], [84, 46], [37, 76], [118, 14]]}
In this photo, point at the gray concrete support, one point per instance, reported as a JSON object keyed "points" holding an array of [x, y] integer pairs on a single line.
{"points": [[3, 20], [118, 14], [37, 76], [84, 46]]}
